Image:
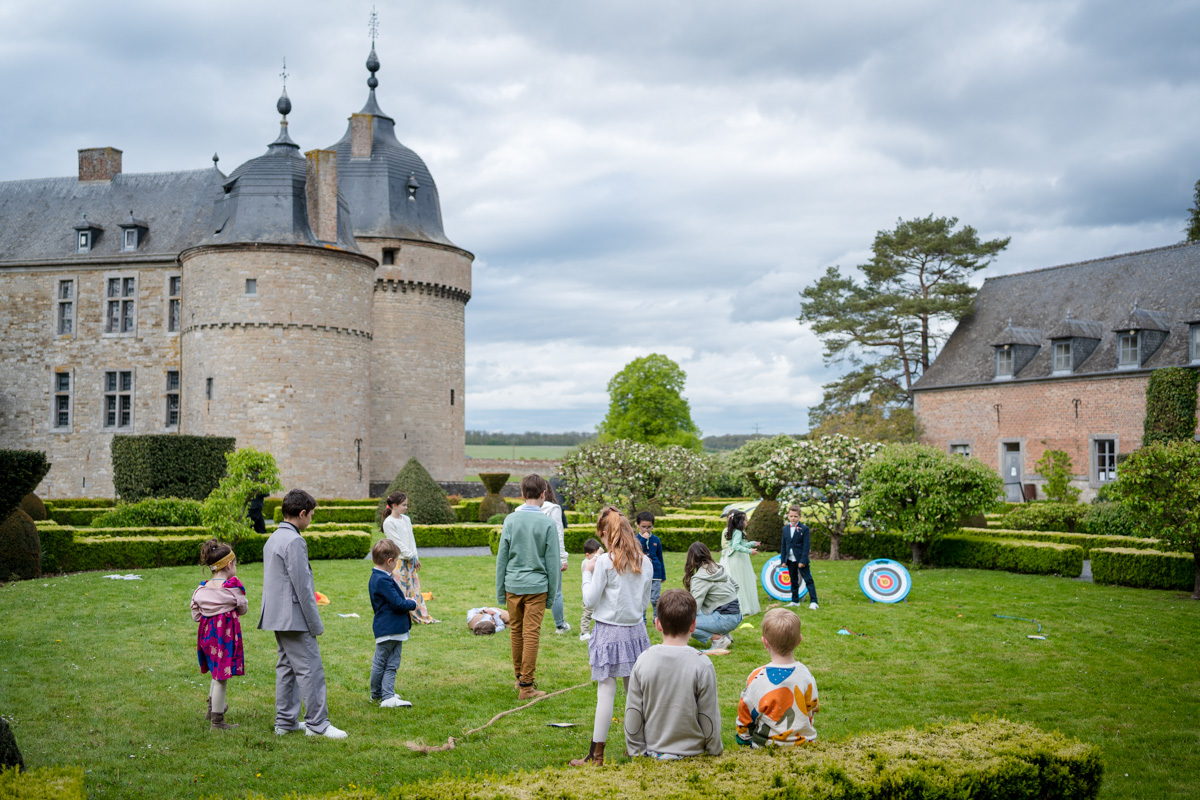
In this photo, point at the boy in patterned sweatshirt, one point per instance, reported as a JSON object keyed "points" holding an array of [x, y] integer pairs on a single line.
{"points": [[780, 699]]}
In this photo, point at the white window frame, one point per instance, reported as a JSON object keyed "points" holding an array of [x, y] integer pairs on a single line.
{"points": [[68, 394], [126, 235], [124, 303], [173, 314], [171, 392], [65, 308], [1126, 342], [117, 393], [1097, 477], [957, 448], [1061, 349], [83, 241], [1005, 354]]}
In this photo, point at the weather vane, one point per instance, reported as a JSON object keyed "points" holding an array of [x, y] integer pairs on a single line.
{"points": [[284, 74], [373, 26]]}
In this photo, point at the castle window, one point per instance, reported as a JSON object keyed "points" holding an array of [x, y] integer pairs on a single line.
{"points": [[1062, 357], [172, 399], [1195, 343], [120, 315], [451, 397], [65, 296], [1127, 350], [62, 401], [251, 286], [131, 239], [133, 231], [960, 449], [1004, 362], [208, 388], [1104, 460], [174, 290], [118, 399], [84, 245], [389, 255]]}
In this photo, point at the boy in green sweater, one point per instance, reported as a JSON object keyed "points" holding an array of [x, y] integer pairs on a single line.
{"points": [[527, 572]]}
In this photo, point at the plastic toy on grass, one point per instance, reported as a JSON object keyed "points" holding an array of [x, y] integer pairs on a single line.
{"points": [[884, 581], [322, 600], [776, 582]]}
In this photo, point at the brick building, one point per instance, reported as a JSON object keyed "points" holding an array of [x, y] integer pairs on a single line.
{"points": [[309, 305], [1059, 359]]}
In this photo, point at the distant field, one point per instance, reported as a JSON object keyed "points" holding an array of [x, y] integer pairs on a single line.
{"points": [[532, 451]]}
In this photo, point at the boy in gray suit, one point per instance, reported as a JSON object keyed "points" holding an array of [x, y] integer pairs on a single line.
{"points": [[289, 608]]}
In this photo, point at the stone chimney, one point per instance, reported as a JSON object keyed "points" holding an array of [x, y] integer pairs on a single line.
{"points": [[322, 189], [361, 134], [99, 163]]}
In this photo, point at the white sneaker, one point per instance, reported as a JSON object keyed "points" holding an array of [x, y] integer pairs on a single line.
{"points": [[395, 702], [566, 628], [329, 733], [813, 606], [722, 642], [793, 605], [281, 731], [583, 637]]}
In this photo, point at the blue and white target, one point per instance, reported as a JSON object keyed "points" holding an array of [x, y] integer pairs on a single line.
{"points": [[777, 583], [884, 581]]}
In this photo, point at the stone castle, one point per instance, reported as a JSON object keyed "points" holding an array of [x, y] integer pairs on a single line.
{"points": [[309, 305]]}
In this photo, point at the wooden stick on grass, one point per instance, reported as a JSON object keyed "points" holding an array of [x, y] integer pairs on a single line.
{"points": [[451, 741]]}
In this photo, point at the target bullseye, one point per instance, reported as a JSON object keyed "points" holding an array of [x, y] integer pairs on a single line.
{"points": [[776, 582], [884, 581]]}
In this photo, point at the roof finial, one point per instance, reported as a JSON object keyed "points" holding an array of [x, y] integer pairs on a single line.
{"points": [[373, 60], [216, 158], [284, 106]]}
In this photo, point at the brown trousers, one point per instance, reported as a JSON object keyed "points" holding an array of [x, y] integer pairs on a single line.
{"points": [[525, 612]]}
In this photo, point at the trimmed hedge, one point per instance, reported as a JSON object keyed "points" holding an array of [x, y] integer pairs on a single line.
{"points": [[1144, 569], [168, 465], [272, 503], [1086, 541], [1107, 518], [477, 535], [81, 517], [468, 510], [961, 760], [23, 470], [80, 502], [1042, 516], [159, 512], [428, 503], [973, 552], [43, 783], [336, 514], [70, 552]]}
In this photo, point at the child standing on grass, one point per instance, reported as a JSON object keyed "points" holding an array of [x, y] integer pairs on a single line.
{"points": [[780, 699], [652, 546], [216, 605], [390, 626], [736, 550], [398, 527], [617, 587], [591, 551], [794, 547]]}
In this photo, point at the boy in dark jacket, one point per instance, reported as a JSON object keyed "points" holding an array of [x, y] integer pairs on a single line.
{"points": [[652, 547], [390, 626], [794, 547]]}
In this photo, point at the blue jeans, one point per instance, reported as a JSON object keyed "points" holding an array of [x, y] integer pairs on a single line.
{"points": [[383, 669], [710, 625], [556, 609], [655, 593]]}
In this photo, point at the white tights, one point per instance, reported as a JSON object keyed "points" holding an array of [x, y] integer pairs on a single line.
{"points": [[606, 699], [217, 692]]}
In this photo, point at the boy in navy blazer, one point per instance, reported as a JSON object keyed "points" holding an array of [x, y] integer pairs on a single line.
{"points": [[390, 626], [794, 548]]}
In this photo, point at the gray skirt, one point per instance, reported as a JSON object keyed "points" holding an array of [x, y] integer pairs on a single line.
{"points": [[613, 649]]}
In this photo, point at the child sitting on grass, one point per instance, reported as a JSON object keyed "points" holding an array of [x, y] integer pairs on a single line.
{"points": [[780, 699], [591, 551], [216, 605], [671, 706], [391, 623]]}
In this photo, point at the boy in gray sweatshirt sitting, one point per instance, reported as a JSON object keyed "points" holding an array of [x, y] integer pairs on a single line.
{"points": [[671, 701]]}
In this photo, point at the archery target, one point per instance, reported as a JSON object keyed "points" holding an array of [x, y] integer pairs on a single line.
{"points": [[777, 583], [884, 581]]}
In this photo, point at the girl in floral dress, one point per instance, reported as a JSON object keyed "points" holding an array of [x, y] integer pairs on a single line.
{"points": [[398, 527], [216, 605]]}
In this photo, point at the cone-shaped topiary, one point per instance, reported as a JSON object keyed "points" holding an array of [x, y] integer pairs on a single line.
{"points": [[23, 470], [32, 505], [493, 503], [427, 502], [10, 754], [20, 548], [766, 526]]}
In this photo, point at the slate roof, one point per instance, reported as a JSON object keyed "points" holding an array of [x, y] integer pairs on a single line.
{"points": [[38, 217], [1159, 289]]}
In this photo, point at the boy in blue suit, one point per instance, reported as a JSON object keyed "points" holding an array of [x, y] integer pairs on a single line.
{"points": [[794, 548], [390, 626], [652, 547]]}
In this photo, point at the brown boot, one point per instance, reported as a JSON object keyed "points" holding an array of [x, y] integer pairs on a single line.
{"points": [[219, 723], [595, 757], [529, 692]]}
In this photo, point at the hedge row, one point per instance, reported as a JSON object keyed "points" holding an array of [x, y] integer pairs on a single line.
{"points": [[454, 535], [973, 552], [335, 513], [168, 465], [468, 510], [1146, 569], [272, 503], [1087, 541], [64, 551], [80, 502], [964, 760], [80, 516]]}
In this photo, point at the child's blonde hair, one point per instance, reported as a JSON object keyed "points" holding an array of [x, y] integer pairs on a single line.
{"points": [[796, 508], [781, 629], [384, 551]]}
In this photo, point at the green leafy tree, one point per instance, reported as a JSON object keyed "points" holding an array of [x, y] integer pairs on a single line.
{"points": [[248, 473], [1193, 226], [1055, 466], [825, 476], [646, 404], [889, 326], [633, 475], [872, 419], [923, 493], [1160, 486], [765, 526]]}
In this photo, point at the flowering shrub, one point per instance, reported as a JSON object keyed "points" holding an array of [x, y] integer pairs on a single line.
{"points": [[632, 475], [823, 474]]}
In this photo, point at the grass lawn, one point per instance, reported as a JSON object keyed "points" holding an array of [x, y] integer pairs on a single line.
{"points": [[103, 674], [532, 451]]}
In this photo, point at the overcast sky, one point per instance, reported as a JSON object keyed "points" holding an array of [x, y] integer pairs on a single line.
{"points": [[639, 177]]}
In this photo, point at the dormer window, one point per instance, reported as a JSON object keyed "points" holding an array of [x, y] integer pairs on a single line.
{"points": [[1127, 350], [130, 239], [85, 242], [1062, 357], [86, 235], [133, 231], [1015, 347], [1004, 362]]}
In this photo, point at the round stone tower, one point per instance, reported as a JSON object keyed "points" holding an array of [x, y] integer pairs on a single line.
{"points": [[422, 285], [276, 329]]}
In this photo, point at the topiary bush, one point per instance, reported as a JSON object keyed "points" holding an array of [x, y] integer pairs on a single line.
{"points": [[427, 502], [32, 505], [168, 465], [1170, 406], [10, 754], [153, 512], [766, 526], [492, 503], [1145, 569], [496, 519], [20, 547], [23, 470], [1110, 519], [1046, 516]]}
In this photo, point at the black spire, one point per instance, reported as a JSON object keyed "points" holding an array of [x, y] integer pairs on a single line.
{"points": [[284, 107]]}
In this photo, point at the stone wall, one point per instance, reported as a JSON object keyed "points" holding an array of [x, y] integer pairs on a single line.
{"points": [[517, 468]]}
